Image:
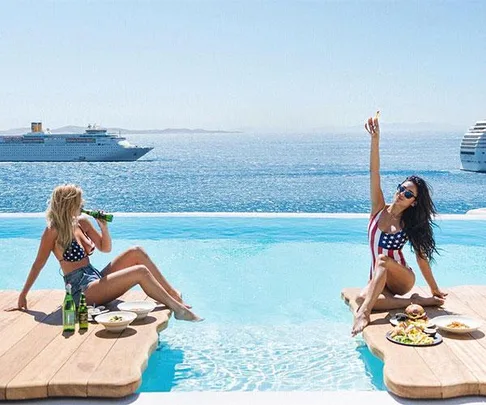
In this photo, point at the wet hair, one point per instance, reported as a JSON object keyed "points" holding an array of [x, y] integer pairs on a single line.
{"points": [[418, 220], [62, 211]]}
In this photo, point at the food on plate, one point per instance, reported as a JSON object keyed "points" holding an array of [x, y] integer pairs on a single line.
{"points": [[401, 317], [416, 312], [410, 334], [116, 318], [430, 331], [457, 325]]}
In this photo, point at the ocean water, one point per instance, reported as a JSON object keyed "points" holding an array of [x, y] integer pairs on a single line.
{"points": [[268, 288], [252, 173]]}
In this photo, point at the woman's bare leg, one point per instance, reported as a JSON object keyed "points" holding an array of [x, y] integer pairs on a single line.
{"points": [[397, 279], [387, 300], [137, 255], [117, 283]]}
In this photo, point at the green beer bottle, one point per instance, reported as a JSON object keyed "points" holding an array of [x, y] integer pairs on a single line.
{"points": [[83, 313], [68, 311], [99, 215]]}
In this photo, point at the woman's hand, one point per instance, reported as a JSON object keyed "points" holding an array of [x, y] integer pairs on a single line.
{"points": [[21, 303], [373, 126], [438, 293], [102, 224]]}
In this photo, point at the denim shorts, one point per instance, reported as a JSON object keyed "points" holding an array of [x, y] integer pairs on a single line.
{"points": [[81, 278]]}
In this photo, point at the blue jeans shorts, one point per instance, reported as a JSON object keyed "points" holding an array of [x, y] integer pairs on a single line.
{"points": [[81, 278]]}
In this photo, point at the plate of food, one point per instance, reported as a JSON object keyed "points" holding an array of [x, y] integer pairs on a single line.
{"points": [[457, 323], [412, 335], [116, 321]]}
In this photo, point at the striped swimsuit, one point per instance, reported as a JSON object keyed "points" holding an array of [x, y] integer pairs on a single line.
{"points": [[389, 244]]}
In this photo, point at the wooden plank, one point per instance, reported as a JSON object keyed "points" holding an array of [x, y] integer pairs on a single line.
{"points": [[7, 318], [115, 377], [469, 301], [8, 299], [32, 335], [472, 298], [446, 362], [481, 289], [72, 378], [33, 380], [26, 320]]}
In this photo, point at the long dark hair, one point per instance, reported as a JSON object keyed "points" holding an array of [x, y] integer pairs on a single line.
{"points": [[418, 220]]}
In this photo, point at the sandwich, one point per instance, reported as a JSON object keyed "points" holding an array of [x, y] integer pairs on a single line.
{"points": [[415, 312]]}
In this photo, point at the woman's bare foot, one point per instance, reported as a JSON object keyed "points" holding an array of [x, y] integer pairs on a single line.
{"points": [[427, 301], [361, 321], [186, 315]]}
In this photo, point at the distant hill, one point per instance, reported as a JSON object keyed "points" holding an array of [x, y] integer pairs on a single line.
{"points": [[79, 130]]}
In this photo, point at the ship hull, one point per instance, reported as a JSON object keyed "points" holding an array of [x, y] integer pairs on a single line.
{"points": [[68, 153], [473, 148], [473, 166]]}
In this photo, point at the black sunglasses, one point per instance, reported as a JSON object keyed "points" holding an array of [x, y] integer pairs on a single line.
{"points": [[406, 193]]}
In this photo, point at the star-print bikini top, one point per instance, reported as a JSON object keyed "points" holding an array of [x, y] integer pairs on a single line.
{"points": [[75, 252]]}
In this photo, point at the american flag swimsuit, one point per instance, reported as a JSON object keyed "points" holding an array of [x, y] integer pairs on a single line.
{"points": [[389, 244]]}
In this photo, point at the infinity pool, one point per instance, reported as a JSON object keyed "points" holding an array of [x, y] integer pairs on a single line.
{"points": [[269, 288]]}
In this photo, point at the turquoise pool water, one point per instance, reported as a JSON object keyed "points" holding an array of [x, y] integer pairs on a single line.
{"points": [[269, 289]]}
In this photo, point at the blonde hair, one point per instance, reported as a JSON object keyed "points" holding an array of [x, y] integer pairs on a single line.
{"points": [[62, 211]]}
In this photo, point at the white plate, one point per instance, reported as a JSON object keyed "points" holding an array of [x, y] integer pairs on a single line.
{"points": [[141, 308], [116, 326], [92, 312], [444, 320]]}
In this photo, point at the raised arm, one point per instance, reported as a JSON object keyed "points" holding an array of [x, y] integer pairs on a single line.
{"points": [[45, 248], [101, 240], [376, 194]]}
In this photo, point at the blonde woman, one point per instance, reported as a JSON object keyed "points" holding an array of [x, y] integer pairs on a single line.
{"points": [[72, 238]]}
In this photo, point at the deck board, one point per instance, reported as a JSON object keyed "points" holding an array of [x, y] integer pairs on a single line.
{"points": [[457, 367], [38, 361]]}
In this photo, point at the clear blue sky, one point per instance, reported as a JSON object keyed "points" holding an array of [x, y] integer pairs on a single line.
{"points": [[267, 65]]}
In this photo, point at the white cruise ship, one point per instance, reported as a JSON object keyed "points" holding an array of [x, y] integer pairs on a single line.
{"points": [[473, 148], [95, 145]]}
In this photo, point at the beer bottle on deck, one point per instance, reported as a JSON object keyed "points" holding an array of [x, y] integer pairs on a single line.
{"points": [[83, 313], [99, 215], [68, 311]]}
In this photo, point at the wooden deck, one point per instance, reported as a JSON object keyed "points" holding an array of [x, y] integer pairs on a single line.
{"points": [[38, 361], [456, 367]]}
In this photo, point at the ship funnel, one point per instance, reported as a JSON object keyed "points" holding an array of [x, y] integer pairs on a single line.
{"points": [[36, 126]]}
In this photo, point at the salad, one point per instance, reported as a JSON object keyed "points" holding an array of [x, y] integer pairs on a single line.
{"points": [[410, 334]]}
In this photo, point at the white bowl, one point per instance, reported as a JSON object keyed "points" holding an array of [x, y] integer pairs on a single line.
{"points": [[109, 321], [443, 321], [141, 308]]}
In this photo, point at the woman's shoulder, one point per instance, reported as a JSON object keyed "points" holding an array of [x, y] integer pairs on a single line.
{"points": [[83, 221], [376, 210], [50, 230], [50, 233]]}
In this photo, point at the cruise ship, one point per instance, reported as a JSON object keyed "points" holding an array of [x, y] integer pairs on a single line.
{"points": [[95, 145], [473, 148]]}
